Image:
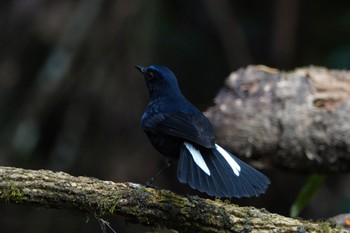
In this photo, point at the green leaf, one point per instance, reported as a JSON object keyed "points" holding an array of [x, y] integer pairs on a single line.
{"points": [[313, 184]]}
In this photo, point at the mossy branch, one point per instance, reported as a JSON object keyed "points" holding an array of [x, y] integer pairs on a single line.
{"points": [[140, 204]]}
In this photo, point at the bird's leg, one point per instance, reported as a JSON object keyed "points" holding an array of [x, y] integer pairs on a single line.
{"points": [[167, 163]]}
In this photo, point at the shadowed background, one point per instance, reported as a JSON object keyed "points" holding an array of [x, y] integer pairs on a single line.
{"points": [[71, 99]]}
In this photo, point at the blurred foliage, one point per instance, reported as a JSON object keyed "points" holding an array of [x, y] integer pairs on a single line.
{"points": [[71, 100], [313, 184]]}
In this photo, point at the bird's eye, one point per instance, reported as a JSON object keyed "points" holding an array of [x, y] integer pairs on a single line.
{"points": [[150, 74]]}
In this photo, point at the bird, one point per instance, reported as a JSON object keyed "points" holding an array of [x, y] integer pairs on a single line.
{"points": [[180, 132]]}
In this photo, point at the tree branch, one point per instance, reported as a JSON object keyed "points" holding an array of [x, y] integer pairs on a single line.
{"points": [[298, 120], [142, 204]]}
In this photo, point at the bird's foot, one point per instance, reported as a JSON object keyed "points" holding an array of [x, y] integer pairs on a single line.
{"points": [[150, 184]]}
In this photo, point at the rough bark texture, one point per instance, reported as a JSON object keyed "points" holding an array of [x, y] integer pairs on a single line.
{"points": [[143, 205], [298, 120]]}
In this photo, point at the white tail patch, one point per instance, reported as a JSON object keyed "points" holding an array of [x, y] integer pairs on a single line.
{"points": [[233, 164], [197, 157]]}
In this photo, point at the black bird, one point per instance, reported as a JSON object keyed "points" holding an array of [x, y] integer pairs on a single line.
{"points": [[179, 131]]}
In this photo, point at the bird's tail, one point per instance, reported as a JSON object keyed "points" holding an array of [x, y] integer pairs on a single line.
{"points": [[219, 173]]}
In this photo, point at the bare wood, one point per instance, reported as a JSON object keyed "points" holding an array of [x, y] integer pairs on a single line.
{"points": [[143, 205], [298, 120]]}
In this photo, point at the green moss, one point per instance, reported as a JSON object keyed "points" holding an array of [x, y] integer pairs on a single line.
{"points": [[143, 190], [114, 204], [327, 227], [107, 204], [324, 227], [11, 194]]}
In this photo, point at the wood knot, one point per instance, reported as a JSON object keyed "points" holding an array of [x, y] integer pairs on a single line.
{"points": [[327, 103]]}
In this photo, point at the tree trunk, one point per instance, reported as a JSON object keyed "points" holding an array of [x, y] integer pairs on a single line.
{"points": [[298, 120]]}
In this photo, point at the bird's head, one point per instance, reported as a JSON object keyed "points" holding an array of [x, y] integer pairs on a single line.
{"points": [[160, 81]]}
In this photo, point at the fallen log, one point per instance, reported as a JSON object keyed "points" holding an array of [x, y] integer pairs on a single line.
{"points": [[299, 120]]}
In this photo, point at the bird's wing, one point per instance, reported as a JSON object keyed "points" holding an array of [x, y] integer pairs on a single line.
{"points": [[193, 127]]}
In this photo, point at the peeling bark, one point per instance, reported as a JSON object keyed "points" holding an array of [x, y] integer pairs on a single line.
{"points": [[298, 120], [140, 204]]}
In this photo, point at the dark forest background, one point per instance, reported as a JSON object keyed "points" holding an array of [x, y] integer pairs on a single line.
{"points": [[71, 100]]}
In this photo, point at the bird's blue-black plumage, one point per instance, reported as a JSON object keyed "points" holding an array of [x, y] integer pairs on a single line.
{"points": [[178, 130]]}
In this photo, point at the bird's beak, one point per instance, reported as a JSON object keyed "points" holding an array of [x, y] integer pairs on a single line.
{"points": [[140, 68]]}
